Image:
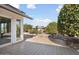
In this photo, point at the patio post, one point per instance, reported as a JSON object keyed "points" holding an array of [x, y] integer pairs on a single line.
{"points": [[21, 30], [13, 30]]}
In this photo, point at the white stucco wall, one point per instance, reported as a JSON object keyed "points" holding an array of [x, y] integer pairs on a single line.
{"points": [[13, 17]]}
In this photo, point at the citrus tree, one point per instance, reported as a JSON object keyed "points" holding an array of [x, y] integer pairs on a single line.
{"points": [[68, 20]]}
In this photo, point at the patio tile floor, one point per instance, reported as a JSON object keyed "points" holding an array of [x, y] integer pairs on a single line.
{"points": [[31, 48]]}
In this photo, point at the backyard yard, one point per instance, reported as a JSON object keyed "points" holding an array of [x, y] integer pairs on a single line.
{"points": [[48, 36]]}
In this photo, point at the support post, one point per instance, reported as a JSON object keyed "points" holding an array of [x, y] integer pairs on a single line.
{"points": [[21, 30], [13, 31]]}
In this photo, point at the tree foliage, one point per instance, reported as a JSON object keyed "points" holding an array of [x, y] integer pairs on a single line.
{"points": [[68, 20], [27, 28], [51, 28], [35, 30]]}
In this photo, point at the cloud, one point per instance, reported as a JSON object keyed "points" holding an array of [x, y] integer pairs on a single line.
{"points": [[59, 8], [15, 5], [39, 22], [31, 6]]}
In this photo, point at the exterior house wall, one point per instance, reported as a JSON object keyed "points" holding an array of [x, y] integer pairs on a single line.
{"points": [[13, 17]]}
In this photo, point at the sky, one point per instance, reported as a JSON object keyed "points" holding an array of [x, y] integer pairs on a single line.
{"points": [[42, 14]]}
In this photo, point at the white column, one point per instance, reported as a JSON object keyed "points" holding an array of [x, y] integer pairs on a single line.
{"points": [[13, 30], [21, 30]]}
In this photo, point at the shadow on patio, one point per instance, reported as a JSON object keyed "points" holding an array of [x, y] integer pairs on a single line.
{"points": [[5, 39]]}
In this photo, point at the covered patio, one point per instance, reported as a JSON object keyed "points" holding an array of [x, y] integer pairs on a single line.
{"points": [[11, 24], [5, 29]]}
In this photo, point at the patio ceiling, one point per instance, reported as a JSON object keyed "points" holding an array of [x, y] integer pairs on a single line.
{"points": [[14, 10]]}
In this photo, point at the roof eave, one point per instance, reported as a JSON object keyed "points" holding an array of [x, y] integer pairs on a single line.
{"points": [[19, 12]]}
